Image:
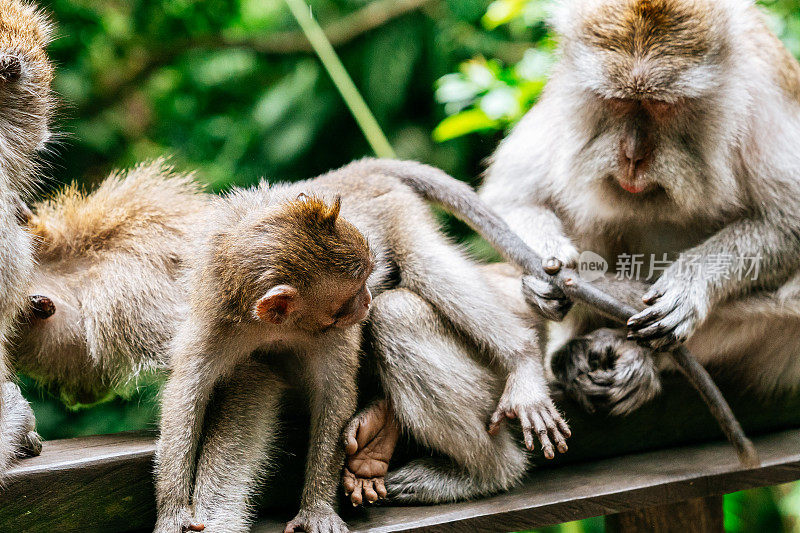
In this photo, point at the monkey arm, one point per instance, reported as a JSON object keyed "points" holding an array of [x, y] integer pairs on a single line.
{"points": [[331, 373], [745, 255]]}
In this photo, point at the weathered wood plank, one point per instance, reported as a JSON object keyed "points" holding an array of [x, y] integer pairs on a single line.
{"points": [[100, 483], [104, 483], [701, 515], [552, 496]]}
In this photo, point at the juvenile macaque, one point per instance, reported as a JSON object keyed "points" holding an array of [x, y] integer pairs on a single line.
{"points": [[289, 271], [668, 127], [106, 294], [25, 108]]}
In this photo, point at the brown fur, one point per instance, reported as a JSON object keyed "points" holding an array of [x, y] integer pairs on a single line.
{"points": [[297, 243], [636, 32], [111, 262], [147, 200]]}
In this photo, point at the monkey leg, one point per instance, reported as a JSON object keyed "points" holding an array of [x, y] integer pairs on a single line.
{"points": [[444, 399], [370, 439], [240, 431], [18, 437]]}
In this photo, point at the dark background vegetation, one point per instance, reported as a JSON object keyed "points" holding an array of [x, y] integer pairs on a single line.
{"points": [[230, 88]]}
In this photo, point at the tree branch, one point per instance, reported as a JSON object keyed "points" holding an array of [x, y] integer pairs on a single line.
{"points": [[339, 32]]}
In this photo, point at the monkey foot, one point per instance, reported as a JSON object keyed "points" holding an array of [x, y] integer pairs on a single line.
{"points": [[369, 442]]}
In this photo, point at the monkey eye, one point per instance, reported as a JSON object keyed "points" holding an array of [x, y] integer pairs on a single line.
{"points": [[659, 109], [620, 106]]}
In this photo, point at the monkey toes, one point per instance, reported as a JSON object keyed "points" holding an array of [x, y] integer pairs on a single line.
{"points": [[369, 441]]}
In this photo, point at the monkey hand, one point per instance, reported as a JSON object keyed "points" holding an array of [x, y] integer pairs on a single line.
{"points": [[369, 441], [676, 307], [536, 413], [317, 520], [545, 297], [605, 371]]}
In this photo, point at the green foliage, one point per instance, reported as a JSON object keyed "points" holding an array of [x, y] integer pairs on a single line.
{"points": [[489, 96]]}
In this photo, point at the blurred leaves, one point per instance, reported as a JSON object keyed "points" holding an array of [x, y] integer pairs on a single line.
{"points": [[490, 96]]}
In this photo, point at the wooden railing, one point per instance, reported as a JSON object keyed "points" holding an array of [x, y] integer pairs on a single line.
{"points": [[661, 469]]}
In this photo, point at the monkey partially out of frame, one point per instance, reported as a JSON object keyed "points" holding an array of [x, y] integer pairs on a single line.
{"points": [[26, 105], [289, 271], [106, 293], [668, 127]]}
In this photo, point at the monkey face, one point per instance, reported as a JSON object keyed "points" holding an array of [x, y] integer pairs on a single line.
{"points": [[336, 304], [649, 96]]}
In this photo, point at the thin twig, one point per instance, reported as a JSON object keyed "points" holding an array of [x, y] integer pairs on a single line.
{"points": [[344, 83]]}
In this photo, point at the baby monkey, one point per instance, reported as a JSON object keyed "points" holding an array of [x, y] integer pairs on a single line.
{"points": [[289, 271]]}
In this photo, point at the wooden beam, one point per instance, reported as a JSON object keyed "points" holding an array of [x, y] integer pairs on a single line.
{"points": [[700, 515], [555, 495], [104, 483]]}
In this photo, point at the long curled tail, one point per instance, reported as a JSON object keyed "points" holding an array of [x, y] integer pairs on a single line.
{"points": [[460, 199]]}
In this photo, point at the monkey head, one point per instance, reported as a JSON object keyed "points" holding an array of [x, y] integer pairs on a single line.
{"points": [[26, 102], [299, 267], [652, 95], [319, 271]]}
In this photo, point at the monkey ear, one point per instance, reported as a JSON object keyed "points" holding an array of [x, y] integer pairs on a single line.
{"points": [[333, 212], [277, 304], [302, 196]]}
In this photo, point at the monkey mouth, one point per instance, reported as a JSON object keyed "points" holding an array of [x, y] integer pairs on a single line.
{"points": [[635, 187]]}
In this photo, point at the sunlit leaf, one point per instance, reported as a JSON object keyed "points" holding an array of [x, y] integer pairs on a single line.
{"points": [[502, 102], [468, 121]]}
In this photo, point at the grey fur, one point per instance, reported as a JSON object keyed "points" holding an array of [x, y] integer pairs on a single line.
{"points": [[441, 282], [735, 190], [27, 104]]}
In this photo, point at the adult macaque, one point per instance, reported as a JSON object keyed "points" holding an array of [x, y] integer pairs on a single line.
{"points": [[25, 108], [668, 127]]}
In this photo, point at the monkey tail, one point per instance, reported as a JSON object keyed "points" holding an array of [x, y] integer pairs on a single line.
{"points": [[459, 198]]}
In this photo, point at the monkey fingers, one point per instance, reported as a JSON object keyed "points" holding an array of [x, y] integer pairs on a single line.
{"points": [[542, 418], [666, 323], [546, 298], [361, 490]]}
